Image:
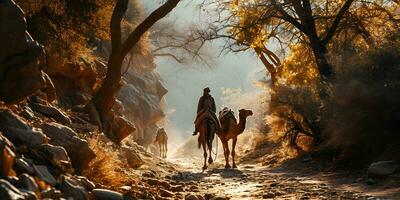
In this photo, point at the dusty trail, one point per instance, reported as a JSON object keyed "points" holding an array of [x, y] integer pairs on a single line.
{"points": [[252, 182]]}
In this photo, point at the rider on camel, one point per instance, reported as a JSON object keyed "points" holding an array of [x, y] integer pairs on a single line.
{"points": [[206, 103]]}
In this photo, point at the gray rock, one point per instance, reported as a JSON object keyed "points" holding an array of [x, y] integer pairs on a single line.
{"points": [[27, 113], [21, 58], [52, 112], [43, 173], [382, 169], [56, 155], [78, 149], [71, 188], [28, 183], [103, 194], [17, 130], [86, 183], [22, 166], [51, 193], [9, 192]]}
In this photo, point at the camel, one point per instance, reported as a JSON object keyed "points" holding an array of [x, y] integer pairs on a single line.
{"points": [[231, 130], [207, 131], [162, 141]]}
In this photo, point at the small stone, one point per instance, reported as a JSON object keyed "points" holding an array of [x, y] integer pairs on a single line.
{"points": [[371, 181], [104, 194], [126, 188], [221, 198], [273, 184], [191, 197], [177, 188], [269, 195], [28, 183], [166, 193], [27, 113], [86, 183], [72, 189], [43, 173], [51, 193], [8, 191], [209, 196], [21, 165], [7, 157]]}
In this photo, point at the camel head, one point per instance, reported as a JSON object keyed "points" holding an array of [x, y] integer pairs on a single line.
{"points": [[245, 113]]}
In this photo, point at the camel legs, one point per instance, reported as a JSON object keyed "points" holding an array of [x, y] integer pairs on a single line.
{"points": [[165, 149], [203, 143], [160, 148], [226, 153], [233, 152], [210, 160]]}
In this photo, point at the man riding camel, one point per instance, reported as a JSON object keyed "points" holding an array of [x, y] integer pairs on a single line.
{"points": [[206, 103]]}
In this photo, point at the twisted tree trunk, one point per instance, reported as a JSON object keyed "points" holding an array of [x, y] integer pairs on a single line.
{"points": [[104, 99]]}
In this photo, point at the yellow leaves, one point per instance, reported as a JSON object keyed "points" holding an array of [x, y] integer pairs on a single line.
{"points": [[247, 29], [299, 68]]}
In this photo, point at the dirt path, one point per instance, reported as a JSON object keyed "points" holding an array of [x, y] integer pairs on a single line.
{"points": [[253, 182]]}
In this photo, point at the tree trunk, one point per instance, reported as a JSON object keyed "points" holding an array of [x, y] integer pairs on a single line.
{"points": [[105, 96], [270, 68], [104, 99], [320, 53]]}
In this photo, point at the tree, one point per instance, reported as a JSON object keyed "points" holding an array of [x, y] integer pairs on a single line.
{"points": [[253, 23], [105, 97]]}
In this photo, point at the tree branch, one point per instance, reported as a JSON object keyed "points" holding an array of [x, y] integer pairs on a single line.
{"points": [[178, 60], [331, 32], [287, 17], [155, 16]]}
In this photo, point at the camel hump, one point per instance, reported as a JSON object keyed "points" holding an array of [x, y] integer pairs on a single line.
{"points": [[226, 114]]}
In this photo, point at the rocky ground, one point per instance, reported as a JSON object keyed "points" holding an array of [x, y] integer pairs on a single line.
{"points": [[250, 181], [46, 150]]}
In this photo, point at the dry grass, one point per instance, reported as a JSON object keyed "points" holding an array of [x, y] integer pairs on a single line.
{"points": [[107, 168]]}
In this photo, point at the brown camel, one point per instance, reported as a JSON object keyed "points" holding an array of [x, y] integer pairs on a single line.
{"points": [[230, 130], [207, 131], [162, 141]]}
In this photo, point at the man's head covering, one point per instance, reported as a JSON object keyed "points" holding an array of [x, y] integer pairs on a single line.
{"points": [[206, 90]]}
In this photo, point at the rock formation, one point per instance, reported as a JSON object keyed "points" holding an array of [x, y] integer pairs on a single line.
{"points": [[20, 66]]}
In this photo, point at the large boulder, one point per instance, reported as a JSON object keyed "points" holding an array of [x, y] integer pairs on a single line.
{"points": [[78, 149], [18, 131], [122, 128], [56, 155], [21, 58]]}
